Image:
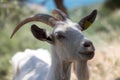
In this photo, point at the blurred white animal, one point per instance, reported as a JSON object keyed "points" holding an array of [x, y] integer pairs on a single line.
{"points": [[31, 64]]}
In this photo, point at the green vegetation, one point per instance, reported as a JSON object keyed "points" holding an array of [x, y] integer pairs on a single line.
{"points": [[112, 4], [104, 30]]}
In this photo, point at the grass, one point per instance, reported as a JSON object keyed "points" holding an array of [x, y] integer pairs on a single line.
{"points": [[104, 33]]}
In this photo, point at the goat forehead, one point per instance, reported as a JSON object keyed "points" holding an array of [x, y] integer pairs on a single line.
{"points": [[70, 32], [66, 26]]}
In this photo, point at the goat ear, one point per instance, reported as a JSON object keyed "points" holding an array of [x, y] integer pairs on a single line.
{"points": [[88, 20], [41, 34]]}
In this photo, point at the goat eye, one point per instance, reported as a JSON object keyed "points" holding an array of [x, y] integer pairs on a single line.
{"points": [[59, 35]]}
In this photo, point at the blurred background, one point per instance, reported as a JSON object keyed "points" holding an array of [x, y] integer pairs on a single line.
{"points": [[105, 32]]}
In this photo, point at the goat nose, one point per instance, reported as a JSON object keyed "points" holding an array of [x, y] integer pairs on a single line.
{"points": [[87, 44]]}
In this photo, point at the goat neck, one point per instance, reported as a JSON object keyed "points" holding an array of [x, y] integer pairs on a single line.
{"points": [[81, 70]]}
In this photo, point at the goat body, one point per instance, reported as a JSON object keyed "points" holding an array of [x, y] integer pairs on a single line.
{"points": [[31, 64]]}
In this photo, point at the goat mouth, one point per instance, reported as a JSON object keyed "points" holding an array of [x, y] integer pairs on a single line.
{"points": [[87, 55]]}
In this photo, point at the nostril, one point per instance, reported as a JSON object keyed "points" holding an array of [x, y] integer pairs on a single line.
{"points": [[87, 44]]}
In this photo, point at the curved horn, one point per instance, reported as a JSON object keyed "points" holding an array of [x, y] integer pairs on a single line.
{"points": [[59, 15], [47, 19]]}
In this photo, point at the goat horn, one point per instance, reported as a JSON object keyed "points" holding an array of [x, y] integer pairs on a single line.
{"points": [[59, 15], [47, 19]]}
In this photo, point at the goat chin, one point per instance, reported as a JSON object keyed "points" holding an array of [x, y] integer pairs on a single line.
{"points": [[28, 64]]}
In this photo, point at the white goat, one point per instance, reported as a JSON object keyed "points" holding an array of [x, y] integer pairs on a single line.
{"points": [[69, 45], [28, 64]]}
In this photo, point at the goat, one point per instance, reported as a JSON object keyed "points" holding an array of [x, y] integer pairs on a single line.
{"points": [[68, 44], [28, 64]]}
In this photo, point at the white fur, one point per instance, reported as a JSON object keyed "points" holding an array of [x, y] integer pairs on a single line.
{"points": [[31, 64]]}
